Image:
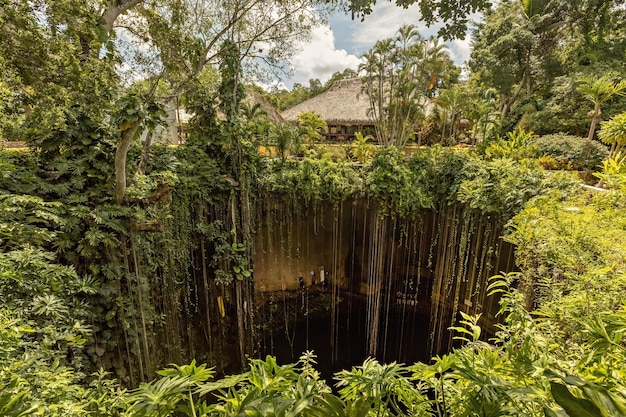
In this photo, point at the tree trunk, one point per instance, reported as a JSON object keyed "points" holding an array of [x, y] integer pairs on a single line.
{"points": [[145, 154], [443, 132], [506, 106], [594, 121], [120, 160]]}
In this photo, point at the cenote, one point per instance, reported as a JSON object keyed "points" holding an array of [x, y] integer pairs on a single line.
{"points": [[346, 279], [391, 287]]}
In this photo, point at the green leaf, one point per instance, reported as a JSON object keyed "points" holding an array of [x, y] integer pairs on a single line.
{"points": [[574, 406], [551, 413], [110, 314]]}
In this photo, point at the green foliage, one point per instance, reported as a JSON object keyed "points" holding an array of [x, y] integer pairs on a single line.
{"points": [[360, 150], [284, 99], [20, 173], [390, 181], [48, 312], [267, 389], [516, 52], [572, 255], [613, 132], [561, 112], [312, 126], [45, 331], [569, 152], [27, 221], [285, 137], [241, 267], [504, 187], [310, 179], [514, 146], [385, 389], [453, 13], [470, 331], [231, 89], [442, 170], [597, 401], [404, 187], [613, 173]]}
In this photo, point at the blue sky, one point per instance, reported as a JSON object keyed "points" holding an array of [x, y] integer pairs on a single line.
{"points": [[342, 44]]}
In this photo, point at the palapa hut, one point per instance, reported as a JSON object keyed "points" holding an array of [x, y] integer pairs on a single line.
{"points": [[344, 108], [255, 98]]}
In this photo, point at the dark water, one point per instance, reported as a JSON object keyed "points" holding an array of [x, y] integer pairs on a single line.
{"points": [[403, 334]]}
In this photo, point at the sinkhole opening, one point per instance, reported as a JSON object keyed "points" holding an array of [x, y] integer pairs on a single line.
{"points": [[348, 282]]}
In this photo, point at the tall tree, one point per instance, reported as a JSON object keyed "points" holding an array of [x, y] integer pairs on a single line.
{"points": [[523, 45], [507, 46], [76, 49], [400, 75]]}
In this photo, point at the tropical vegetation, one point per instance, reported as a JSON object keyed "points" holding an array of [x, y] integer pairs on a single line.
{"points": [[127, 265]]}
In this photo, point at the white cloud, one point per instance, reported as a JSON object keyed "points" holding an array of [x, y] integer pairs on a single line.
{"points": [[384, 22], [460, 49], [320, 59], [387, 18]]}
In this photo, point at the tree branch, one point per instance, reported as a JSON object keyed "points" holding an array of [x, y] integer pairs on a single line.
{"points": [[114, 11]]}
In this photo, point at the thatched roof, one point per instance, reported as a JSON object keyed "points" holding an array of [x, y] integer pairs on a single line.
{"points": [[256, 98], [343, 104]]}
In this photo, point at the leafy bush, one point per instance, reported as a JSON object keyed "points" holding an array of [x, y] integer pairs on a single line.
{"points": [[504, 187], [514, 146], [442, 170], [613, 132], [613, 175], [391, 182], [361, 150], [311, 179], [45, 332], [569, 152], [560, 241]]}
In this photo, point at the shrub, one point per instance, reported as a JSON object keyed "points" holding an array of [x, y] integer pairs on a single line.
{"points": [[613, 132], [569, 152], [311, 179], [394, 185], [548, 162], [515, 145]]}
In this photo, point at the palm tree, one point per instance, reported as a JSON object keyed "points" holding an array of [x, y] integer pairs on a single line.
{"points": [[378, 83], [484, 115], [451, 102], [283, 135], [598, 91], [399, 75]]}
